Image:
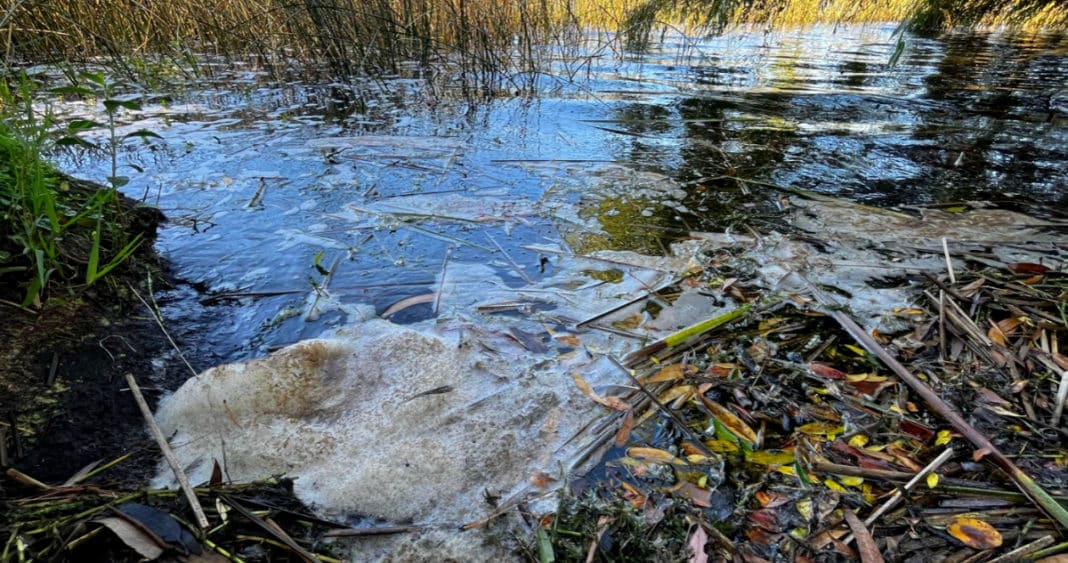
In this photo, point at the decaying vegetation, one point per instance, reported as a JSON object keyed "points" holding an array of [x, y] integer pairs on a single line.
{"points": [[784, 431]]}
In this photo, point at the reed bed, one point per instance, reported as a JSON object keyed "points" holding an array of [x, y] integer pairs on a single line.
{"points": [[486, 40]]}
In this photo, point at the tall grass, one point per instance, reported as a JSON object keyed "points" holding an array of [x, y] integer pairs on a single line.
{"points": [[485, 39], [51, 226], [489, 42]]}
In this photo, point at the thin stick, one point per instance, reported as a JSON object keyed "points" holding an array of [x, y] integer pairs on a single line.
{"points": [[159, 321], [1021, 553], [511, 262], [1062, 392], [376, 531], [949, 263], [985, 448], [942, 325], [441, 286], [161, 440], [900, 493], [682, 426]]}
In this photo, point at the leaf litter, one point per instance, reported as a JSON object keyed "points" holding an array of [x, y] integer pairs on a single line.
{"points": [[751, 431]]}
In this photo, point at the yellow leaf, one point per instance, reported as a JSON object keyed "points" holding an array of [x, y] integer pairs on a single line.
{"points": [[868, 492], [855, 349], [851, 481], [654, 455], [787, 470], [829, 429], [974, 533], [722, 446], [944, 436], [771, 457], [805, 508], [833, 485], [858, 441], [932, 480]]}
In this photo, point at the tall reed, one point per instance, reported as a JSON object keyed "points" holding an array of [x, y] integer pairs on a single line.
{"points": [[486, 40]]}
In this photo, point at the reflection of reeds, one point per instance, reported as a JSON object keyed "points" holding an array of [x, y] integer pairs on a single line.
{"points": [[486, 39]]}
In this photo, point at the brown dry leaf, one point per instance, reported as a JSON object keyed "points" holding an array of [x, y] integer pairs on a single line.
{"points": [[1062, 558], [568, 340], [1029, 268], [772, 499], [721, 370], [632, 495], [971, 289], [974, 533], [903, 457], [697, 495], [623, 434], [730, 421], [766, 519], [995, 334], [614, 403], [137, 539], [1008, 326], [541, 480], [654, 455], [823, 370], [697, 542], [672, 372], [869, 552]]}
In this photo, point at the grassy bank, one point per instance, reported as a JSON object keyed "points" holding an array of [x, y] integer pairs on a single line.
{"points": [[56, 232], [483, 39]]}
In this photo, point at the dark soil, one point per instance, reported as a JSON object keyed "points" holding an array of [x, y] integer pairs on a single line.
{"points": [[63, 397]]}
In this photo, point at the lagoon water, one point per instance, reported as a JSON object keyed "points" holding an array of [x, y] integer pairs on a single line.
{"points": [[293, 205]]}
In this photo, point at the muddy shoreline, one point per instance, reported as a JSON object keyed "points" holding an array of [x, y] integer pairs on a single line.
{"points": [[65, 399]]}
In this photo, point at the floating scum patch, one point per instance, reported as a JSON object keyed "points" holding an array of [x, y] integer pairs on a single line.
{"points": [[351, 420]]}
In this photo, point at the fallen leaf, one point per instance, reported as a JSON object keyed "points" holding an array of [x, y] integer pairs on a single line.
{"points": [[826, 371], [568, 340], [995, 334], [632, 495], [671, 373], [654, 455], [614, 403], [697, 542], [1028, 268], [138, 540], [623, 434], [766, 519], [729, 421], [771, 457], [771, 500], [868, 551], [974, 533], [541, 480]]}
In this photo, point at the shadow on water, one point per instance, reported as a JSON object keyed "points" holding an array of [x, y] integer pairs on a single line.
{"points": [[269, 187]]}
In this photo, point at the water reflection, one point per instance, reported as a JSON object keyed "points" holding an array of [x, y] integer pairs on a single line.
{"points": [[263, 182], [965, 117]]}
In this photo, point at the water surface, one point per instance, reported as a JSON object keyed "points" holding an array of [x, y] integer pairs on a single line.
{"points": [[273, 191]]}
